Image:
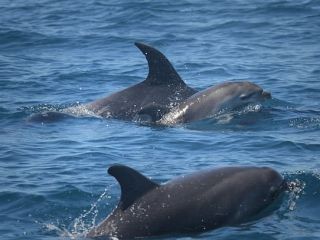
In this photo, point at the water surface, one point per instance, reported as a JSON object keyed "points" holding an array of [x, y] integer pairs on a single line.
{"points": [[53, 179]]}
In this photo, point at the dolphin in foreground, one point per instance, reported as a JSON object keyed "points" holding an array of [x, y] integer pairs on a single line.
{"points": [[207, 103], [162, 87], [197, 202]]}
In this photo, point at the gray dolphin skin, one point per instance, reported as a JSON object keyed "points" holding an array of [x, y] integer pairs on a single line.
{"points": [[206, 103], [201, 201], [163, 88]]}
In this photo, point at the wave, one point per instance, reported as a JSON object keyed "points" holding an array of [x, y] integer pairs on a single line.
{"points": [[287, 7], [10, 37], [19, 204]]}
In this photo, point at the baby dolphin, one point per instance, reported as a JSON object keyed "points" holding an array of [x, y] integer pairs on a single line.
{"points": [[200, 201], [206, 103]]}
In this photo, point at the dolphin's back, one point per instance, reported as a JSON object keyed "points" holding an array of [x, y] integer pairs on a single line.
{"points": [[162, 87]]}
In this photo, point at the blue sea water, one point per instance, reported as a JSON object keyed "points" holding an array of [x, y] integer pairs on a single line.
{"points": [[53, 179]]}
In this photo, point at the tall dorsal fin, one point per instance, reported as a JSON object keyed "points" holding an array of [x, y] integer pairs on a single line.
{"points": [[161, 70], [133, 184]]}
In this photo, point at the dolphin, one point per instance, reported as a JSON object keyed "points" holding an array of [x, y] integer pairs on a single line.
{"points": [[206, 103], [162, 87], [201, 201]]}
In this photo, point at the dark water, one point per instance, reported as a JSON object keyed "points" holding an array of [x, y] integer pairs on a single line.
{"points": [[53, 180]]}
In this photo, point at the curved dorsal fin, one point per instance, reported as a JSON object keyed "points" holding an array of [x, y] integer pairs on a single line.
{"points": [[133, 184], [161, 70]]}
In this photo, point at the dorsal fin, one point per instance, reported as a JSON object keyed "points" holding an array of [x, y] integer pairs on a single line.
{"points": [[133, 184], [161, 70]]}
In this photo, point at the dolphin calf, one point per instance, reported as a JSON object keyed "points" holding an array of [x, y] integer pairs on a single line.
{"points": [[201, 201], [162, 87], [206, 103]]}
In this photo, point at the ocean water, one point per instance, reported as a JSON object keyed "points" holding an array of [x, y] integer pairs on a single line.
{"points": [[53, 178]]}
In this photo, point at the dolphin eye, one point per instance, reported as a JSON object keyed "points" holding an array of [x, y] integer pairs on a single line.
{"points": [[246, 96]]}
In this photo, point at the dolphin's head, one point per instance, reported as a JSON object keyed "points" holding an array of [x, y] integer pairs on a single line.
{"points": [[232, 95], [265, 186], [275, 182], [236, 94], [248, 92]]}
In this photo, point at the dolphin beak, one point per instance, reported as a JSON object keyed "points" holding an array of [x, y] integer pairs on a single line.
{"points": [[266, 95]]}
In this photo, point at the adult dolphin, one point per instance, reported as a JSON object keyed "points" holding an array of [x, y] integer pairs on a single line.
{"points": [[162, 87], [201, 201], [206, 103]]}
